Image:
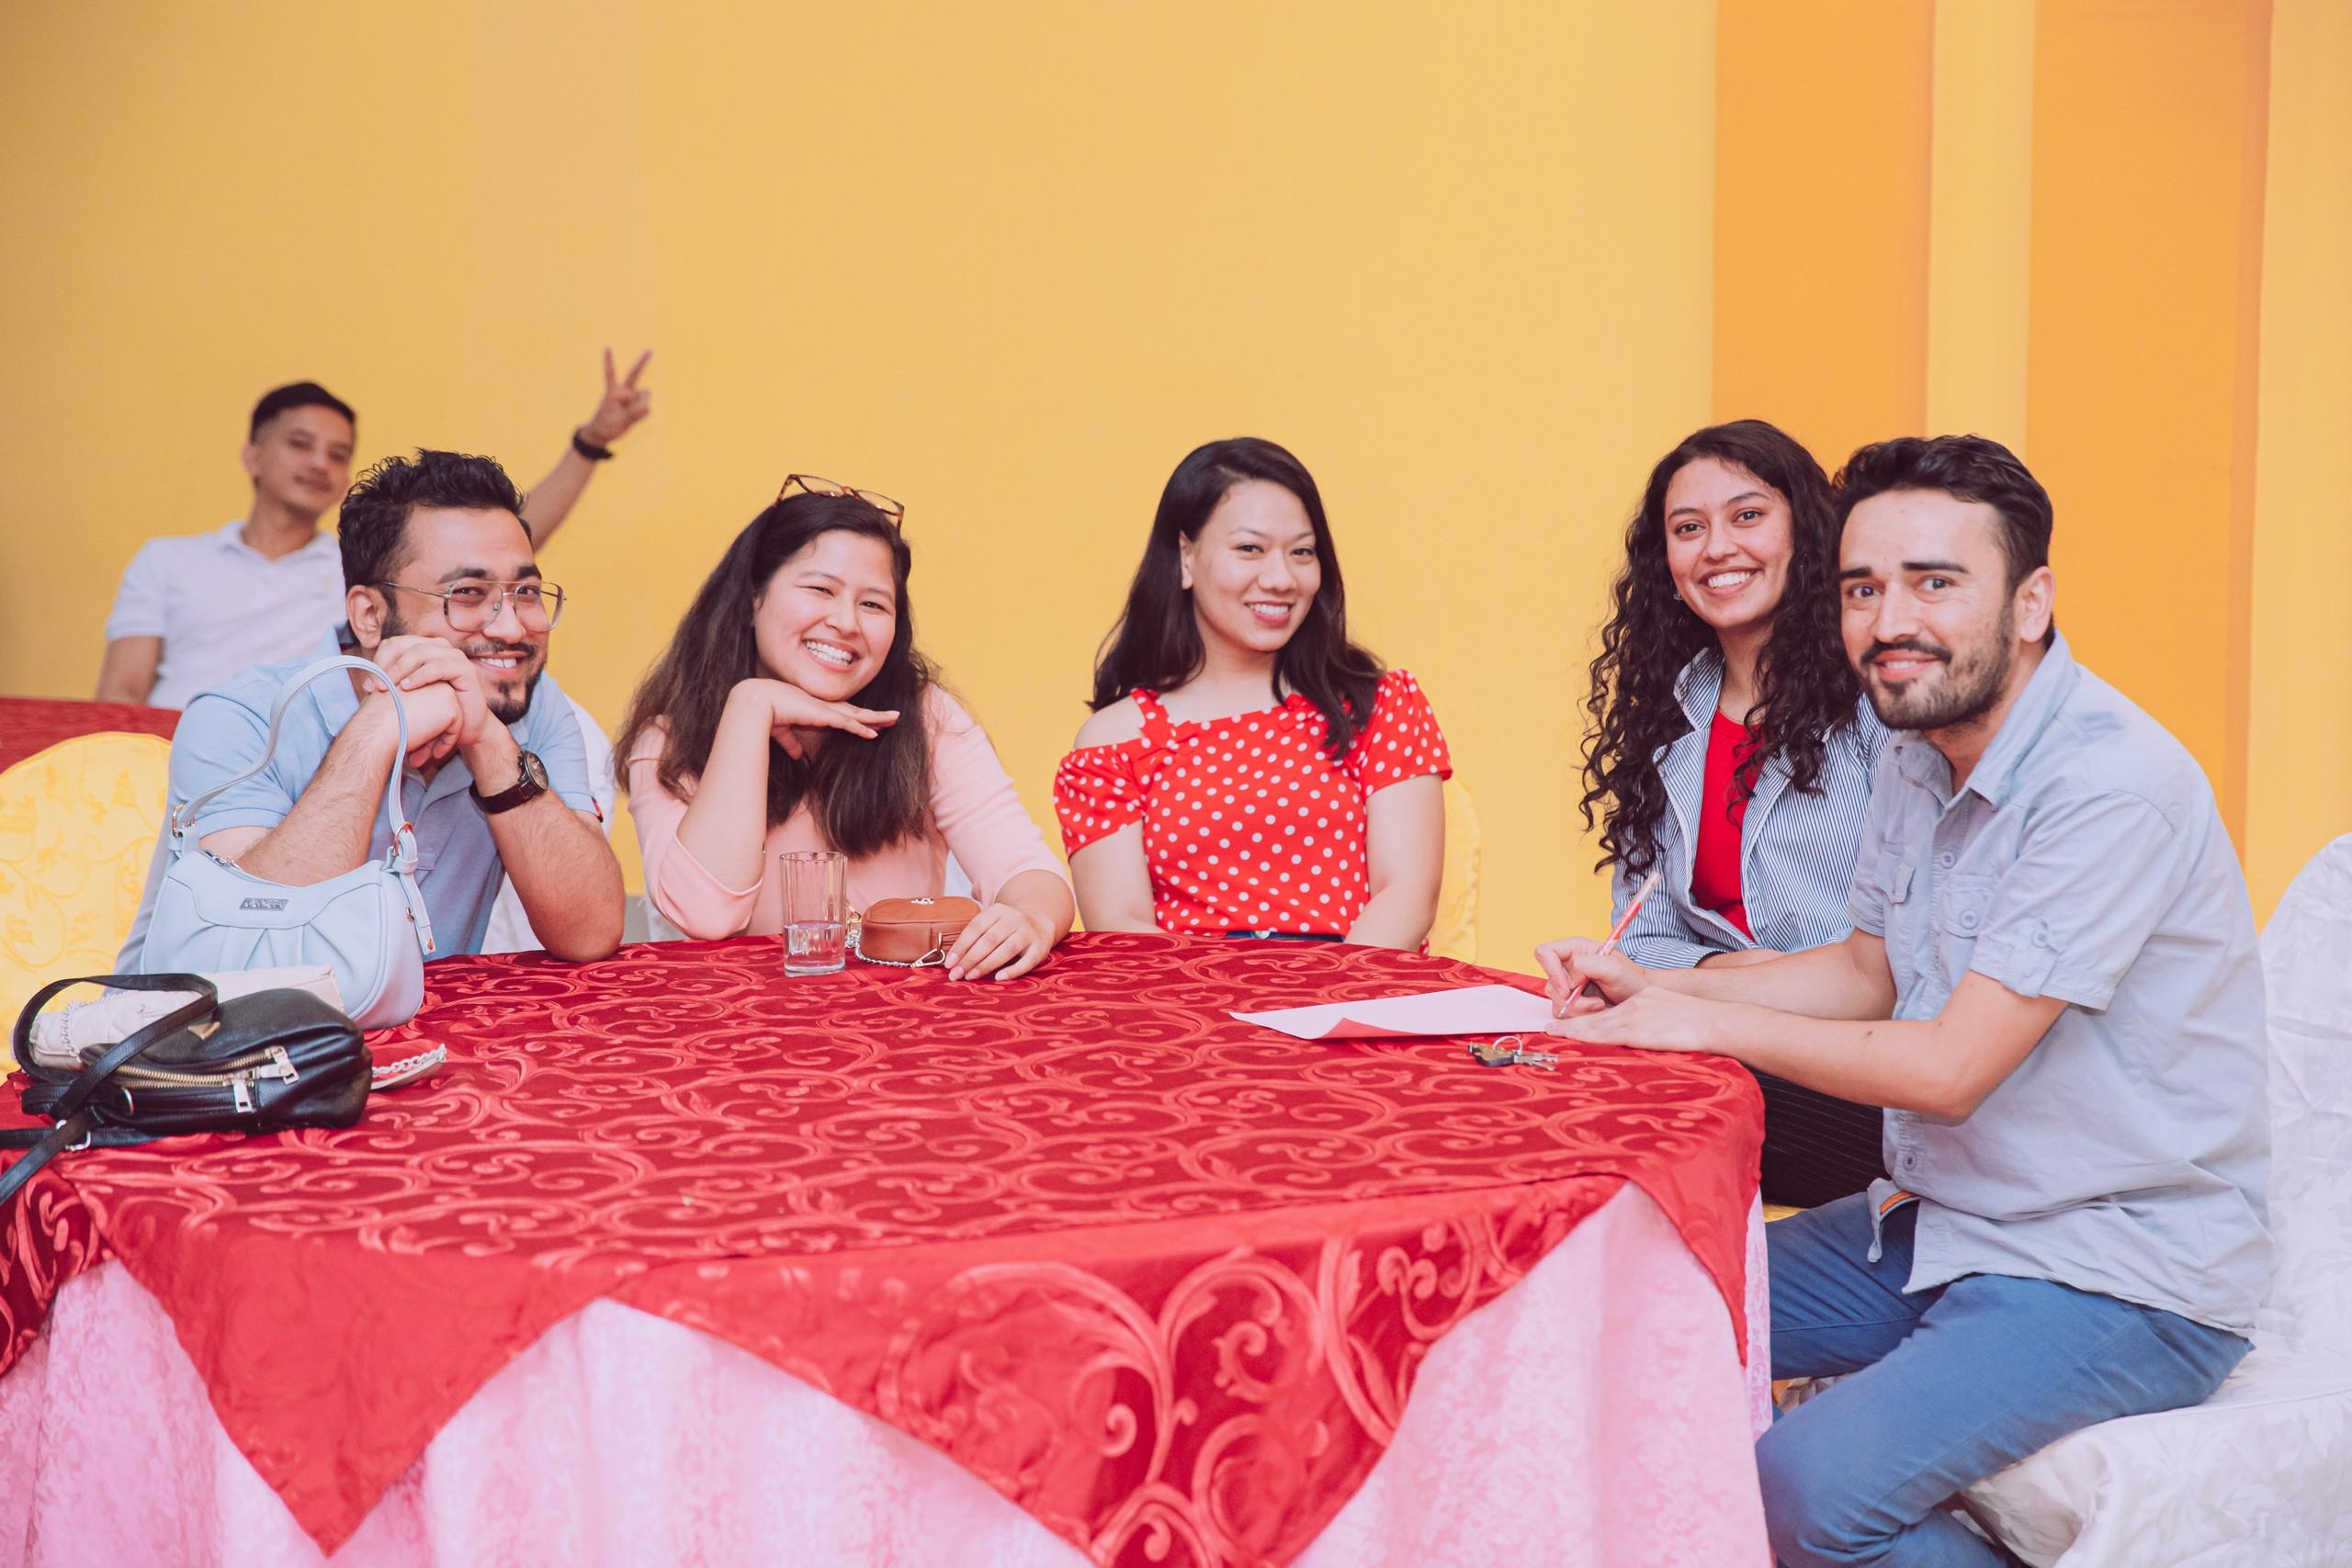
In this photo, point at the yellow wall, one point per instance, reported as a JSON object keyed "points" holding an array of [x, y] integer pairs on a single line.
{"points": [[2148, 139], [1010, 264], [1980, 245], [1006, 263], [2300, 766], [2138, 230], [1822, 156]]}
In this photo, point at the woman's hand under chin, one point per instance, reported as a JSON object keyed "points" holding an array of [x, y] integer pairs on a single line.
{"points": [[1002, 941], [796, 718]]}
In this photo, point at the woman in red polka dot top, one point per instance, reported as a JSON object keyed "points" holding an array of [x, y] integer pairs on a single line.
{"points": [[1248, 771]]}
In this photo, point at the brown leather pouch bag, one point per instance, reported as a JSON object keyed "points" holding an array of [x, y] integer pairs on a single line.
{"points": [[912, 932]]}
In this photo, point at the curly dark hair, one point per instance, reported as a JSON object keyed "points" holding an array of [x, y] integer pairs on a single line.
{"points": [[1805, 690], [373, 528]]}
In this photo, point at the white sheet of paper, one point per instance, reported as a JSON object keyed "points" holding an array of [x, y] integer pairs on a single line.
{"points": [[1464, 1010]]}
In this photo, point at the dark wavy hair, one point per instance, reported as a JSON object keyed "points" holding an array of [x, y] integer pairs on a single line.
{"points": [[1805, 690], [1966, 468], [867, 795], [1155, 643], [373, 526]]}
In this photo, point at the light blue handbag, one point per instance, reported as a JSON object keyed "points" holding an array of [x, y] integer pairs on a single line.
{"points": [[369, 924]]}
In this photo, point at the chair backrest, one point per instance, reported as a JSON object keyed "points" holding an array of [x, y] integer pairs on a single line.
{"points": [[78, 826], [1455, 934], [2307, 972]]}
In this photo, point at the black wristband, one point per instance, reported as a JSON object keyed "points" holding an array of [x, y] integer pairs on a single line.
{"points": [[589, 449]]}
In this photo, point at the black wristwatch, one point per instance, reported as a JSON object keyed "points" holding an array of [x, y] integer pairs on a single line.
{"points": [[587, 449], [531, 784]]}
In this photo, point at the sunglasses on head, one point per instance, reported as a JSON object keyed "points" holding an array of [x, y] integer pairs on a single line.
{"points": [[812, 484]]}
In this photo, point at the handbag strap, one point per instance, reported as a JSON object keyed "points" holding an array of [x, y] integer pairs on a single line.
{"points": [[66, 1134], [403, 838], [92, 1077], [75, 1122], [207, 1002]]}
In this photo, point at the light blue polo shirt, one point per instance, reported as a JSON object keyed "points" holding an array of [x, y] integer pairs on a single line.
{"points": [[225, 729], [2083, 859]]}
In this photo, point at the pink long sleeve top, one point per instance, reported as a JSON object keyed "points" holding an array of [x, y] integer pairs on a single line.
{"points": [[976, 814]]}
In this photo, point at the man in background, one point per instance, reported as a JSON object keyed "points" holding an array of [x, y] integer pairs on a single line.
{"points": [[193, 610]]}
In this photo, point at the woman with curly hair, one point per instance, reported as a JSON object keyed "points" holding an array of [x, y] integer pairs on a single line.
{"points": [[1731, 750]]}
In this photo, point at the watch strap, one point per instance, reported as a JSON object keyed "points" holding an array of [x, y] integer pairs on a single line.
{"points": [[530, 775]]}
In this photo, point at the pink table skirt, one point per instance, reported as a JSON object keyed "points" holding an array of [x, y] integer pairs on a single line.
{"points": [[1596, 1413]]}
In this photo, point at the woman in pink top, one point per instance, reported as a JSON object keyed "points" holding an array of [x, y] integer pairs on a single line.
{"points": [[793, 711]]}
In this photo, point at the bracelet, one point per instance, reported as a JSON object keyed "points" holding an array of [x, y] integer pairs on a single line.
{"points": [[588, 448]]}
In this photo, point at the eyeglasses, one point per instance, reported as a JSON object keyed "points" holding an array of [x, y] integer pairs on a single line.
{"points": [[810, 484], [473, 606]]}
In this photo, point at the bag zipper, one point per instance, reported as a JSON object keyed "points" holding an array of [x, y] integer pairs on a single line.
{"points": [[247, 1069]]}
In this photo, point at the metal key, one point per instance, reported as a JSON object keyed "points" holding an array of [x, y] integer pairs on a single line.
{"points": [[1511, 1051]]}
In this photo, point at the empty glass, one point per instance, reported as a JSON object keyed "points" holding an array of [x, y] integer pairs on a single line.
{"points": [[816, 911]]}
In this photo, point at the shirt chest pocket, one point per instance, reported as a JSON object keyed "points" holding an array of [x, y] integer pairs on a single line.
{"points": [[1965, 901], [1963, 905]]}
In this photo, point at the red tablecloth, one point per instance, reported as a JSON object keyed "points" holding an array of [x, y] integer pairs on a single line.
{"points": [[1161, 1278], [34, 724]]}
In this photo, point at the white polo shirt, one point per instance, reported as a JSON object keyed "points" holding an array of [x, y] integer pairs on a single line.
{"points": [[222, 607]]}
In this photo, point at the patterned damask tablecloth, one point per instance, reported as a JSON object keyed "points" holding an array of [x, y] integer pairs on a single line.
{"points": [[34, 724], [1160, 1278]]}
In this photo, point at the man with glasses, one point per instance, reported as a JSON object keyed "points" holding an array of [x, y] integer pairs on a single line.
{"points": [[442, 591], [193, 610]]}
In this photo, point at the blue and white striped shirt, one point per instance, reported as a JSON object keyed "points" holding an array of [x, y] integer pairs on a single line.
{"points": [[1796, 850]]}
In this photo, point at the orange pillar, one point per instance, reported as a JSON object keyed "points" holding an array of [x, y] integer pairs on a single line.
{"points": [[1823, 119], [2149, 124]]}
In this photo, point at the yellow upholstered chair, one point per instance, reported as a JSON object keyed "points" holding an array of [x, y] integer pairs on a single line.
{"points": [[1455, 935], [77, 826]]}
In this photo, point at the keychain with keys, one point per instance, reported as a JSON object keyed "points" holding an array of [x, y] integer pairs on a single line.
{"points": [[1511, 1051]]}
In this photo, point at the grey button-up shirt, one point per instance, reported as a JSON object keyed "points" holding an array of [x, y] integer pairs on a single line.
{"points": [[2083, 859]]}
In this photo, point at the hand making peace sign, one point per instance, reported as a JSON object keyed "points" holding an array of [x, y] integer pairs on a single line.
{"points": [[623, 403]]}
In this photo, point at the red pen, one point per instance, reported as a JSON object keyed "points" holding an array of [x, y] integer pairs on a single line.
{"points": [[1650, 885]]}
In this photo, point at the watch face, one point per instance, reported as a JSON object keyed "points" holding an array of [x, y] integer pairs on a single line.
{"points": [[532, 769]]}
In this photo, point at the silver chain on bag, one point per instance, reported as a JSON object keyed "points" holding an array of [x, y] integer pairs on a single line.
{"points": [[936, 957]]}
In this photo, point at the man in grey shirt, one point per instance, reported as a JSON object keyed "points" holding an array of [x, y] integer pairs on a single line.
{"points": [[2053, 987]]}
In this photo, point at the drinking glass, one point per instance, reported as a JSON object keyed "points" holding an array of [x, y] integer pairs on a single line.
{"points": [[816, 911]]}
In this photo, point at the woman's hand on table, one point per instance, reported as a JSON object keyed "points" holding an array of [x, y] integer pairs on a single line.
{"points": [[1001, 940], [1606, 977]]}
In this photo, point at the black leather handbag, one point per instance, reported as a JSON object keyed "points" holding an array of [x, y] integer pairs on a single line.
{"points": [[254, 1064]]}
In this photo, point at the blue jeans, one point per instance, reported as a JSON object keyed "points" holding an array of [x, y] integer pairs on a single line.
{"points": [[1945, 1387]]}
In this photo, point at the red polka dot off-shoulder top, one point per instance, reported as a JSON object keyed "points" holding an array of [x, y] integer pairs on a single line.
{"points": [[1249, 824]]}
